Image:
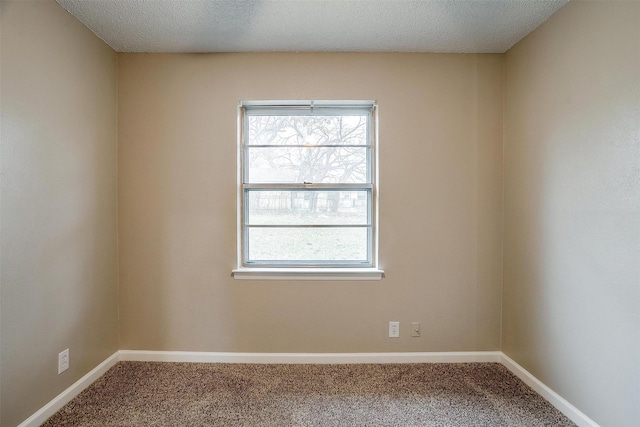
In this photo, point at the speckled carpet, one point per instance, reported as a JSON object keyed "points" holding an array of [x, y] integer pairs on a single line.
{"points": [[198, 394]]}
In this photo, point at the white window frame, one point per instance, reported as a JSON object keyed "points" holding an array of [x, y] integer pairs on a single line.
{"points": [[312, 270]]}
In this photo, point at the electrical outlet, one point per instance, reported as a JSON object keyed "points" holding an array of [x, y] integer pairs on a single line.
{"points": [[63, 361], [415, 329], [394, 329]]}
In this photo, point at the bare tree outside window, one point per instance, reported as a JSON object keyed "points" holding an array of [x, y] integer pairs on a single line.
{"points": [[316, 149]]}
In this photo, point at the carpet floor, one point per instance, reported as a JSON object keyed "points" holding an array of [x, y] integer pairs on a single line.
{"points": [[200, 394]]}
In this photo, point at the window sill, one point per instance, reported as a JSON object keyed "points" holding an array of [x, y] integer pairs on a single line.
{"points": [[307, 274]]}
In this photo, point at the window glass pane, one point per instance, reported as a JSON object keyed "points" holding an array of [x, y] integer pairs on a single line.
{"points": [[307, 164], [306, 129], [308, 207], [307, 244]]}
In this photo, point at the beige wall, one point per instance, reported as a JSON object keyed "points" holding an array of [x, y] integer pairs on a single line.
{"points": [[440, 205], [58, 191], [572, 208]]}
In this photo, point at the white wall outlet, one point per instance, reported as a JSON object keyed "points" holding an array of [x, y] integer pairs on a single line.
{"points": [[63, 361], [415, 329], [394, 329]]}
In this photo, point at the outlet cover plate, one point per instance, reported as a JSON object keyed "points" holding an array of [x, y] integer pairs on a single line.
{"points": [[415, 329], [63, 361], [394, 329]]}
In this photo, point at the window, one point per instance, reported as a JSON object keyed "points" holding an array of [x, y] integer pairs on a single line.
{"points": [[307, 190]]}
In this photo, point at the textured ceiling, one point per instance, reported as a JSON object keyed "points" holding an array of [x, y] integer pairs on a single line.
{"points": [[312, 25]]}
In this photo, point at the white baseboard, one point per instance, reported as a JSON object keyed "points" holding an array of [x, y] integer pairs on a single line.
{"points": [[573, 413], [311, 358], [66, 396], [561, 404]]}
